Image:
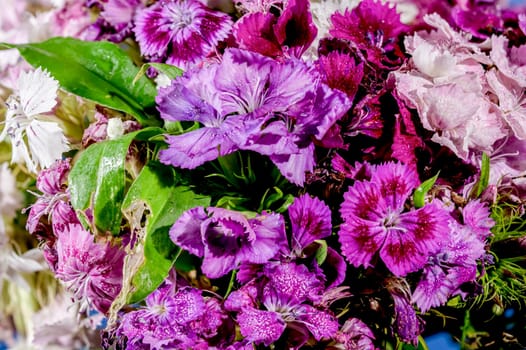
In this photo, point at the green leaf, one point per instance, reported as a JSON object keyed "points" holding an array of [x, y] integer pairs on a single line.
{"points": [[321, 253], [484, 175], [170, 71], [98, 71], [419, 197], [98, 179], [157, 188]]}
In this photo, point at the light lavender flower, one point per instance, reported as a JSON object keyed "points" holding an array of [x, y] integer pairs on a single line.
{"points": [[455, 262], [251, 102]]}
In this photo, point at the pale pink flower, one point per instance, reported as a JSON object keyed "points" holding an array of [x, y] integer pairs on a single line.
{"points": [[92, 271], [511, 101], [510, 61]]}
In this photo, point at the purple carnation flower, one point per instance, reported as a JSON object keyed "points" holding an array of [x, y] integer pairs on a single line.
{"points": [[165, 320], [354, 334], [226, 238], [408, 326], [251, 102], [449, 267], [182, 31], [320, 323], [476, 215], [91, 271], [375, 219], [52, 182], [115, 21]]}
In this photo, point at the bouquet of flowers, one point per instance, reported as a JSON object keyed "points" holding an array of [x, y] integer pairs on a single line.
{"points": [[263, 174]]}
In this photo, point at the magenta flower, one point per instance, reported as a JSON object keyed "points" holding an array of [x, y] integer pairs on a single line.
{"points": [[375, 220], [310, 220], [180, 31], [91, 271], [52, 212], [341, 72], [373, 26], [226, 238]]}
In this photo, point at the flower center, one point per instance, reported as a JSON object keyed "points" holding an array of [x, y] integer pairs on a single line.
{"points": [[182, 18], [391, 219]]}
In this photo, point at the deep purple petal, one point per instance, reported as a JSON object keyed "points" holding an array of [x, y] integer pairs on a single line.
{"points": [[290, 281], [294, 29], [260, 326], [310, 220], [322, 324], [270, 238], [254, 32], [334, 268], [186, 231], [408, 325], [186, 305]]}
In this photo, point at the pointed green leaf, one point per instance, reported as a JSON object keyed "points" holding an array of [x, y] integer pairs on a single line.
{"points": [[158, 188], [419, 197], [98, 71], [484, 175], [97, 179], [321, 253]]}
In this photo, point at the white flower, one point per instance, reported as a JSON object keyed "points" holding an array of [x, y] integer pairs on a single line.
{"points": [[115, 128], [36, 142]]}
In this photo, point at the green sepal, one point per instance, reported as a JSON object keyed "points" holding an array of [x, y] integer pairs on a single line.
{"points": [[419, 197]]}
